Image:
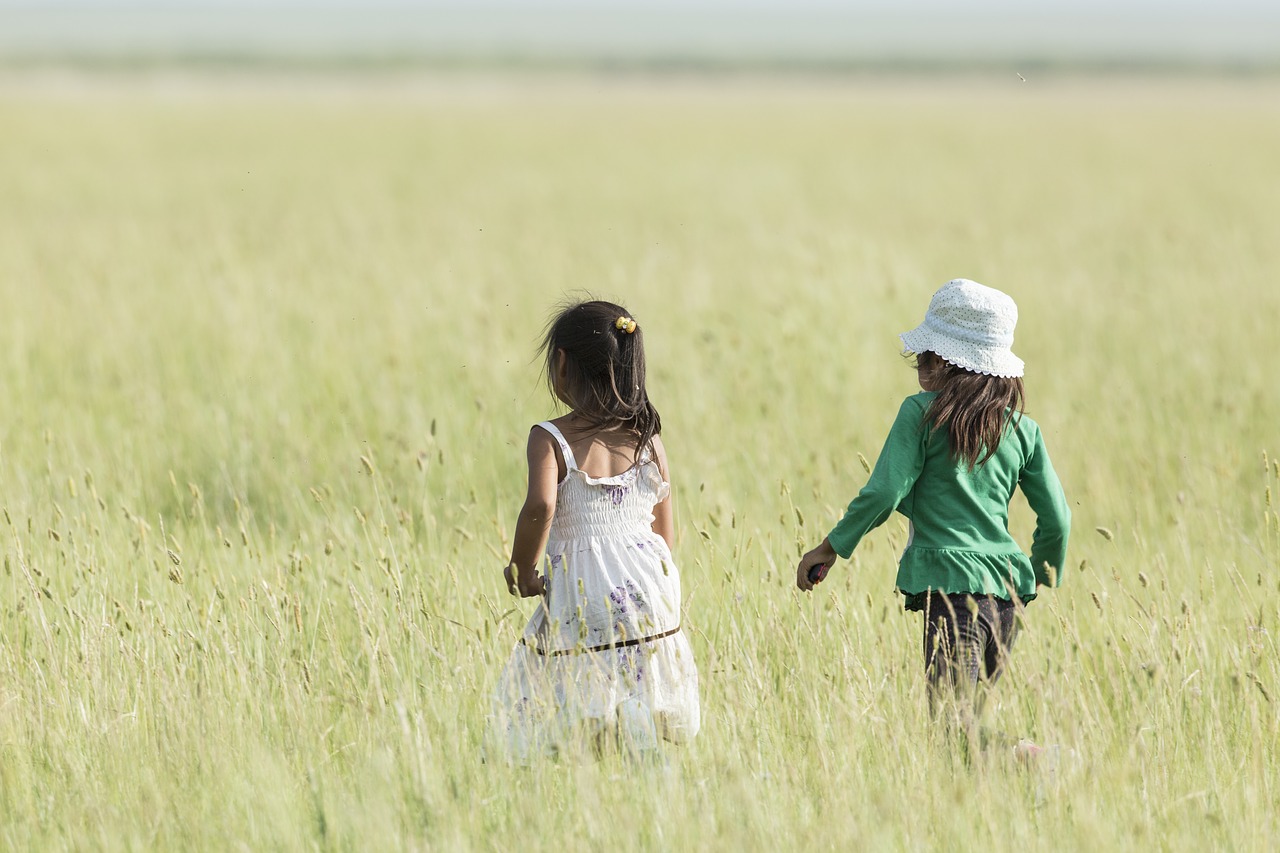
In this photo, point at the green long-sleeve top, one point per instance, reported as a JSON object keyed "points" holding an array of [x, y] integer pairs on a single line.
{"points": [[959, 539]]}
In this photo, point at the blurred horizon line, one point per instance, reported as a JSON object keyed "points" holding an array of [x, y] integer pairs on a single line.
{"points": [[625, 34]]}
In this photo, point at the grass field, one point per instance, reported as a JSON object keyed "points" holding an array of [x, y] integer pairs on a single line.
{"points": [[268, 370]]}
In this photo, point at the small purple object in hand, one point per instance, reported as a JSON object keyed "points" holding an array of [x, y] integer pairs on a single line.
{"points": [[818, 573]]}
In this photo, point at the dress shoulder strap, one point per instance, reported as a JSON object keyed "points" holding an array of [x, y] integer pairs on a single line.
{"points": [[569, 461]]}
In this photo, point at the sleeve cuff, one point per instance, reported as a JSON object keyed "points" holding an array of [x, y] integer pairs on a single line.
{"points": [[842, 547]]}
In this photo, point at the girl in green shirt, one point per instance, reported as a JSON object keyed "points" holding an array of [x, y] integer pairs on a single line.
{"points": [[950, 464]]}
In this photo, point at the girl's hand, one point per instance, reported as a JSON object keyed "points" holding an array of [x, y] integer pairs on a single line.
{"points": [[523, 584], [823, 555]]}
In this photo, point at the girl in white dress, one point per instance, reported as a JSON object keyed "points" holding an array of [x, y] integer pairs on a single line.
{"points": [[603, 658]]}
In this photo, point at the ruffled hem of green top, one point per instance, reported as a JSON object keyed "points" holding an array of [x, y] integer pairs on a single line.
{"points": [[925, 570]]}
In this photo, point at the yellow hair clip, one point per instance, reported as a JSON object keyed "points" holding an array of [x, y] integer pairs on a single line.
{"points": [[625, 324]]}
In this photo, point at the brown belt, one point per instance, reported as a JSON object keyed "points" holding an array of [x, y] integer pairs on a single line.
{"points": [[604, 648]]}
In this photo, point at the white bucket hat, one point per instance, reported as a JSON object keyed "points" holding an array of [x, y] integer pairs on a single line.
{"points": [[971, 326]]}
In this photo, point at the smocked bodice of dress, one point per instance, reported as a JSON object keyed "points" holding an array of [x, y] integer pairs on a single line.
{"points": [[590, 507]]}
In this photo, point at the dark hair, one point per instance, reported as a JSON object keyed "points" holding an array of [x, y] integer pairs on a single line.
{"points": [[604, 380], [975, 409]]}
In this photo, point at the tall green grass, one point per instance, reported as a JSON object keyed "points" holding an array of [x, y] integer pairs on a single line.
{"points": [[268, 369]]}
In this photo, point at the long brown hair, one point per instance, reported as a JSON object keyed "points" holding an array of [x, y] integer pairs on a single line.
{"points": [[604, 367], [975, 409]]}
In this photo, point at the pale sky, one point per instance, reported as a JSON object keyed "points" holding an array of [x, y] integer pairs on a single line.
{"points": [[1195, 30]]}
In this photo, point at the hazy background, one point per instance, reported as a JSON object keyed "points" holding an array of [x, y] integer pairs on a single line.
{"points": [[1228, 33]]}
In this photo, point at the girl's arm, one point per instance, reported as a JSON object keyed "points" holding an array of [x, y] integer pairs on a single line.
{"points": [[1039, 482], [664, 522], [897, 469], [534, 522]]}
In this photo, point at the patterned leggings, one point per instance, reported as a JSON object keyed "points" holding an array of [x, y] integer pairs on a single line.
{"points": [[966, 642]]}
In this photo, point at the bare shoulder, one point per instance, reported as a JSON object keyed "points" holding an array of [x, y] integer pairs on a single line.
{"points": [[543, 451], [540, 439], [660, 456], [542, 448]]}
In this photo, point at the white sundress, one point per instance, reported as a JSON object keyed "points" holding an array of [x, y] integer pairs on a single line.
{"points": [[604, 651]]}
